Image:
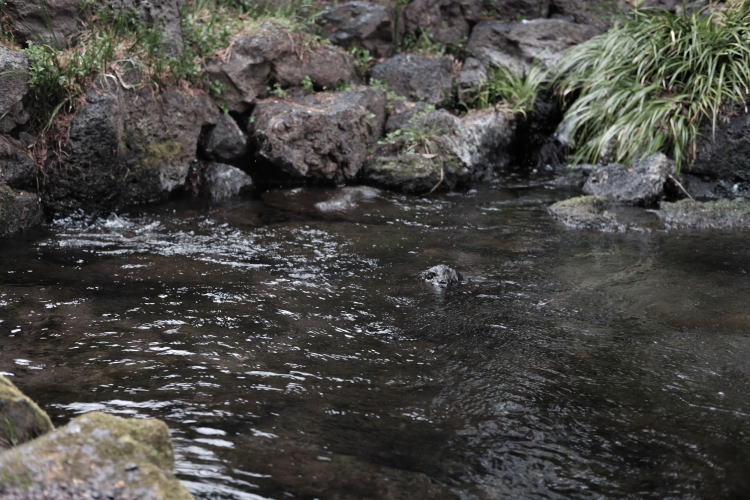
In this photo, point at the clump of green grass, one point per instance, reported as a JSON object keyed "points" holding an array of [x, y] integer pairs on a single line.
{"points": [[518, 92], [653, 80]]}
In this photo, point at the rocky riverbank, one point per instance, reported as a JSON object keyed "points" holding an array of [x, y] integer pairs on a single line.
{"points": [[381, 93], [93, 456]]}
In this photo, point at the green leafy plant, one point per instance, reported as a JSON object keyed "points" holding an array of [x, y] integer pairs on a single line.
{"points": [[278, 91], [505, 87], [362, 59], [653, 80], [308, 85]]}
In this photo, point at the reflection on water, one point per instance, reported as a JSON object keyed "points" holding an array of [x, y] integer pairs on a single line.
{"points": [[292, 350]]}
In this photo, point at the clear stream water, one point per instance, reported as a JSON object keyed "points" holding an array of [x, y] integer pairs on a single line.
{"points": [[294, 352]]}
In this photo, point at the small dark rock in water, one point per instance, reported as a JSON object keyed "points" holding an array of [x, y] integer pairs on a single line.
{"points": [[441, 276], [221, 182]]}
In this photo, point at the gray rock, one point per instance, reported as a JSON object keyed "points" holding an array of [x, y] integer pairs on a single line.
{"points": [[472, 76], [641, 184], [13, 88], [596, 13], [518, 45], [272, 53], [117, 155], [417, 77], [17, 169], [594, 213], [19, 210], [441, 276], [721, 214], [95, 456], [368, 25], [725, 155], [445, 21], [164, 14], [322, 137], [437, 150], [401, 112], [226, 142], [22, 420], [222, 182], [42, 21], [707, 187]]}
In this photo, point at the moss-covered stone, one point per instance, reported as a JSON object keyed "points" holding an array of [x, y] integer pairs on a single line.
{"points": [[592, 212], [100, 456], [412, 173], [21, 419], [721, 214]]}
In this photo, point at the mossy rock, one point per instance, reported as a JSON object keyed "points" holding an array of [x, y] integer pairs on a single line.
{"points": [[415, 173], [95, 456], [720, 214], [21, 419], [593, 212]]}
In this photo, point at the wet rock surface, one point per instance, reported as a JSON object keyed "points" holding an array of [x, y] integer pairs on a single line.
{"points": [[723, 156], [19, 210], [320, 137], [272, 53], [369, 25], [13, 87], [21, 419], [17, 169], [595, 213], [640, 184], [417, 77], [118, 156], [223, 182], [441, 276], [94, 456], [721, 214]]}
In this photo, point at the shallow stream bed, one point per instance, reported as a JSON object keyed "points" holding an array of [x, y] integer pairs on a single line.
{"points": [[294, 353]]}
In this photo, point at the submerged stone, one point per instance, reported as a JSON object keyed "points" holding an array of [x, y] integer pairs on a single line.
{"points": [[721, 214], [21, 419], [94, 456], [441, 276]]}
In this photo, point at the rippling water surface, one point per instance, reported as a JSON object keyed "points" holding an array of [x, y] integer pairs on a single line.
{"points": [[291, 348]]}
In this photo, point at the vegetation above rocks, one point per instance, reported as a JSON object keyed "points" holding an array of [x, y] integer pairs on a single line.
{"points": [[652, 81], [504, 87]]}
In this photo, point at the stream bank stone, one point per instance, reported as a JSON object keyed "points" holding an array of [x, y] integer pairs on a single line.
{"points": [[447, 22], [417, 77], [17, 169], [225, 142], [319, 137], [641, 184], [14, 67], [369, 25], [272, 54], [595, 213], [21, 420], [721, 214], [222, 182], [19, 210], [94, 456], [117, 155]]}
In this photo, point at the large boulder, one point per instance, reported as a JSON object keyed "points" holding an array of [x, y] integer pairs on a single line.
{"points": [[368, 25], [641, 184], [19, 210], [726, 154], [21, 419], [13, 87], [417, 77], [42, 21], [518, 45], [440, 150], [94, 456], [444, 21], [17, 169], [720, 214], [271, 53], [320, 137], [116, 155]]}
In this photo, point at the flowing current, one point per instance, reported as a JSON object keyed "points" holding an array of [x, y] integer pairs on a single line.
{"points": [[294, 352]]}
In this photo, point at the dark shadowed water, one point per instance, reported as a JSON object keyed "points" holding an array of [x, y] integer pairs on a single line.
{"points": [[294, 352]]}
